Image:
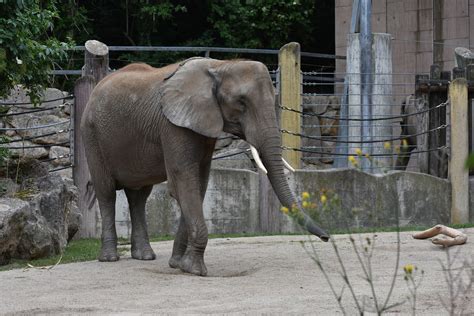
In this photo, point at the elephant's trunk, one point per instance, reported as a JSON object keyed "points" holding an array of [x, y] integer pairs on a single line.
{"points": [[271, 153]]}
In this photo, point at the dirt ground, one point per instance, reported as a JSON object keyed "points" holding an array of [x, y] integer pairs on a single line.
{"points": [[260, 275]]}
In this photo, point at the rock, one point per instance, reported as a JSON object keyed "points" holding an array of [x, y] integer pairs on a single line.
{"points": [[316, 103], [61, 156], [25, 149], [8, 187], [328, 147], [67, 106], [24, 232], [311, 127], [40, 224], [334, 102], [31, 120], [329, 126], [20, 95]]}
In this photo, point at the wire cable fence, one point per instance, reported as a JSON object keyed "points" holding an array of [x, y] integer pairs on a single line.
{"points": [[405, 124], [38, 131]]}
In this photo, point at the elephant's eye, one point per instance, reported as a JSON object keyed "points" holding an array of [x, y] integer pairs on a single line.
{"points": [[242, 103]]}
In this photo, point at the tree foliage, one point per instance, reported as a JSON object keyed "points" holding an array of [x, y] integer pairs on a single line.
{"points": [[27, 51], [258, 23]]}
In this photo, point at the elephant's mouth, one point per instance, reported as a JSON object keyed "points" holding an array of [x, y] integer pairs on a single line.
{"points": [[234, 129]]}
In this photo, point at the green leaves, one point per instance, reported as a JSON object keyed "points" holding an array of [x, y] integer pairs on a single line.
{"points": [[470, 162], [259, 23], [28, 51]]}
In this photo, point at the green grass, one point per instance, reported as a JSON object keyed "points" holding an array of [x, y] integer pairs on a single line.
{"points": [[77, 251], [87, 249]]}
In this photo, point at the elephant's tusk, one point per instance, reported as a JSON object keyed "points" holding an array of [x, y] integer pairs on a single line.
{"points": [[257, 159], [287, 165]]}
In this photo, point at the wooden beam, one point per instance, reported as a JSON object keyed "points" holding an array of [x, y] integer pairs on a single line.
{"points": [[289, 61], [458, 174]]}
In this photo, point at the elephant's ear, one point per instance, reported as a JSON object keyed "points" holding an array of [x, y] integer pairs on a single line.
{"points": [[188, 98]]}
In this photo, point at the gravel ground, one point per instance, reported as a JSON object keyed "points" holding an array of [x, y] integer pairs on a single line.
{"points": [[259, 275]]}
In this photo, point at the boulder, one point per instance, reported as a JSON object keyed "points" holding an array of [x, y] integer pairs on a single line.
{"points": [[24, 232], [25, 149], [329, 125], [40, 223], [61, 156], [31, 120]]}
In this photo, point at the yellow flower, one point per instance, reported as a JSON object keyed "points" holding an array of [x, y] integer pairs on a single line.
{"points": [[404, 143], [358, 151], [367, 156], [352, 160], [324, 199], [408, 268], [305, 195], [284, 210], [387, 145], [305, 204]]}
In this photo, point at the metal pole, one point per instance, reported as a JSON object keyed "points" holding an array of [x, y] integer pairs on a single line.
{"points": [[343, 132], [366, 75]]}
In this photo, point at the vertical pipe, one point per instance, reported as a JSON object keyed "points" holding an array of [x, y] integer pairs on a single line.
{"points": [[366, 75]]}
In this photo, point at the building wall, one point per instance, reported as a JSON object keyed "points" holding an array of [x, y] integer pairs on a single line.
{"points": [[414, 25]]}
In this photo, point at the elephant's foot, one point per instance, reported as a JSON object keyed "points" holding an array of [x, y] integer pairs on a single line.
{"points": [[143, 252], [174, 261], [108, 254], [193, 264]]}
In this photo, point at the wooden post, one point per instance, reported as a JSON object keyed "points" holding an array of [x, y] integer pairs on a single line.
{"points": [[82, 91], [458, 174], [421, 104], [96, 60], [96, 65], [437, 160], [289, 61]]}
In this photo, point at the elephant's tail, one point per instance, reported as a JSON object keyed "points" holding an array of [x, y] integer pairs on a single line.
{"points": [[90, 194]]}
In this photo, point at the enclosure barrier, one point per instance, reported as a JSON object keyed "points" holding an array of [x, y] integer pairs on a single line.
{"points": [[58, 127]]}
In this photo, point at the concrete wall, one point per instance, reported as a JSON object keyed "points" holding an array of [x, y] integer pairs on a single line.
{"points": [[374, 200], [414, 25], [230, 206], [231, 203]]}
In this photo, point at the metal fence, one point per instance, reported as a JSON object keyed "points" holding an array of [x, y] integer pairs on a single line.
{"points": [[30, 130], [407, 126]]}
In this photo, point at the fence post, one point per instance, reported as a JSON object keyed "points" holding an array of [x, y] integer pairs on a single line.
{"points": [[458, 174], [95, 68], [289, 61], [421, 104]]}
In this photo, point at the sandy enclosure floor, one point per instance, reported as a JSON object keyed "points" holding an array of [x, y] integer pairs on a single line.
{"points": [[246, 276]]}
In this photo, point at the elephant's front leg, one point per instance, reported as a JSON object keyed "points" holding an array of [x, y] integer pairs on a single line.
{"points": [[181, 240], [192, 226]]}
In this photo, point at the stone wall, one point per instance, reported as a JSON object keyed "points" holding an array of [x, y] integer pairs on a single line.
{"points": [[326, 128], [52, 149]]}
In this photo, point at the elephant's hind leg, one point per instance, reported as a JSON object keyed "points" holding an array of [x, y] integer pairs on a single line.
{"points": [[104, 187], [141, 248]]}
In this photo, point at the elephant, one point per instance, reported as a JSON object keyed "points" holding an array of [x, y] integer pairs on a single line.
{"points": [[144, 125]]}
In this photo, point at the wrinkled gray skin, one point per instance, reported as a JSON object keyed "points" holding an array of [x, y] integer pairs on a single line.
{"points": [[144, 125]]}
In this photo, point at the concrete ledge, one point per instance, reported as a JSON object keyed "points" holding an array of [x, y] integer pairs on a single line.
{"points": [[374, 200], [231, 203]]}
